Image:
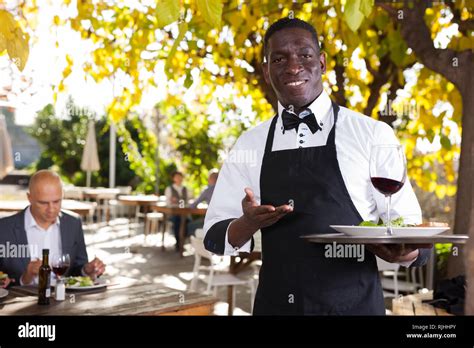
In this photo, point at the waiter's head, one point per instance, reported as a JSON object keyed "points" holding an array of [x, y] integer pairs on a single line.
{"points": [[293, 63], [45, 196]]}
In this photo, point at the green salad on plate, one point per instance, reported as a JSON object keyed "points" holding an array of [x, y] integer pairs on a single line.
{"points": [[79, 281], [398, 222]]}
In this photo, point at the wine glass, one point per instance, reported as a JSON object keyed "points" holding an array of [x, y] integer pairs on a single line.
{"points": [[388, 173], [60, 264]]}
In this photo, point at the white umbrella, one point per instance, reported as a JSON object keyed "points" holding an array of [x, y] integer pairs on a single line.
{"points": [[6, 153], [90, 157]]}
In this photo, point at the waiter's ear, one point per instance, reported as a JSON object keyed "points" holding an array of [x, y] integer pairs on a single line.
{"points": [[266, 73], [322, 62]]}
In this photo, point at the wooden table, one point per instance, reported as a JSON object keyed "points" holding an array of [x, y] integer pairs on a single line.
{"points": [[81, 208], [96, 193], [139, 201], [129, 299], [101, 196], [414, 305], [183, 213]]}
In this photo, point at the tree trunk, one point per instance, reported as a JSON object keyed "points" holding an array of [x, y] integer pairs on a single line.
{"points": [[458, 68], [464, 219]]}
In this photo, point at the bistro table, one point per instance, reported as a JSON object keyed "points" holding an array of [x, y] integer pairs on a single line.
{"points": [[125, 298], [101, 195], [183, 212], [139, 201], [81, 208]]}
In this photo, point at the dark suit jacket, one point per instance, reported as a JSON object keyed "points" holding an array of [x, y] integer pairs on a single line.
{"points": [[12, 230]]}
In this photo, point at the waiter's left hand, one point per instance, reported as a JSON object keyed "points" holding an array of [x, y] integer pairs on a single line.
{"points": [[396, 253]]}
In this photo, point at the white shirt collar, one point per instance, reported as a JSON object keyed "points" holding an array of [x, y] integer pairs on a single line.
{"points": [[320, 107], [31, 222]]}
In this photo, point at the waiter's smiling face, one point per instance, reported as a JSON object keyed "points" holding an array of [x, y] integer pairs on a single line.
{"points": [[294, 67]]}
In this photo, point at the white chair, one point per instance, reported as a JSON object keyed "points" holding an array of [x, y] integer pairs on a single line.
{"points": [[391, 282], [218, 272], [388, 270]]}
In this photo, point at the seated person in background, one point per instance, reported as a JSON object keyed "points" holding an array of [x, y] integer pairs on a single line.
{"points": [[43, 225], [176, 195], [205, 196]]}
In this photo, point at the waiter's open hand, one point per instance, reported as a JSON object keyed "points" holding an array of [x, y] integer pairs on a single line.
{"points": [[254, 218], [396, 253], [260, 216]]}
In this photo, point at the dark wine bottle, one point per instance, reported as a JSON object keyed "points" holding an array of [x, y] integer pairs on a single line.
{"points": [[44, 280]]}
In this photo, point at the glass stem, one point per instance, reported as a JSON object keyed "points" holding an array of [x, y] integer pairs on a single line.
{"points": [[388, 200]]}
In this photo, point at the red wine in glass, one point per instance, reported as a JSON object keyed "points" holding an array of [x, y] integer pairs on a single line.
{"points": [[387, 172], [61, 264], [386, 186], [59, 270]]}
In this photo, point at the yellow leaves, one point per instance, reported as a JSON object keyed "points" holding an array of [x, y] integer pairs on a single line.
{"points": [[167, 12], [67, 71], [56, 20], [366, 7], [120, 107], [235, 21], [355, 11], [211, 10], [450, 190], [440, 191], [249, 54], [14, 40], [183, 28]]}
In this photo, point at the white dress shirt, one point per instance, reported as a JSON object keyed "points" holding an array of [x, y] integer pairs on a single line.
{"points": [[39, 239], [355, 135]]}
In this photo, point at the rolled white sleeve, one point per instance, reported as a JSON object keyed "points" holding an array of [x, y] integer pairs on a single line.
{"points": [[234, 177]]}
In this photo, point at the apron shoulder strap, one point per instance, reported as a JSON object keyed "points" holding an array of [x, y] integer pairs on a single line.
{"points": [[271, 134]]}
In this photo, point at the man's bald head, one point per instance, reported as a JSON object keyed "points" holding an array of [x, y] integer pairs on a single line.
{"points": [[45, 196], [44, 177]]}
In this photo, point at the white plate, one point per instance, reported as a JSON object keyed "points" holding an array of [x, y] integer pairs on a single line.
{"points": [[371, 231], [99, 283], [3, 293]]}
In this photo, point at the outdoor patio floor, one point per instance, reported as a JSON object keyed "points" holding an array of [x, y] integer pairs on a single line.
{"points": [[124, 251]]}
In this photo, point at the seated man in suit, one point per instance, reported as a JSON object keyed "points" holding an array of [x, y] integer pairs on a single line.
{"points": [[43, 225]]}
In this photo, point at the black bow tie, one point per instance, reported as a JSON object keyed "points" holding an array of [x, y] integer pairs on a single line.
{"points": [[291, 121]]}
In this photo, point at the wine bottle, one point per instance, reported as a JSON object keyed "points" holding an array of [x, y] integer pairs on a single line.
{"points": [[44, 280]]}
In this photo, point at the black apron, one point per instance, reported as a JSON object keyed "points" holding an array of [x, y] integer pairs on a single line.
{"points": [[296, 278]]}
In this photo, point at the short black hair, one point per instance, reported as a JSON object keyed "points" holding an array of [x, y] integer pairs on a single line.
{"points": [[176, 173], [284, 23]]}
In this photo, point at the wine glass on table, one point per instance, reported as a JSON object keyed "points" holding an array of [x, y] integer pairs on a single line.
{"points": [[388, 173], [60, 264]]}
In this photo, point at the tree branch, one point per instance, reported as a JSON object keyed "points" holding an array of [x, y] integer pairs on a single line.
{"points": [[381, 77], [447, 62], [463, 26], [340, 94]]}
